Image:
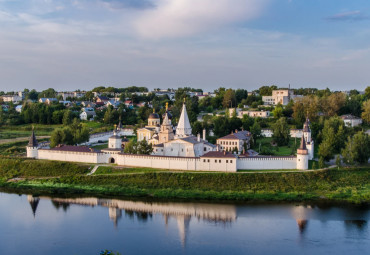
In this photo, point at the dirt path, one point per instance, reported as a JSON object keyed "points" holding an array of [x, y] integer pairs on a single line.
{"points": [[19, 139]]}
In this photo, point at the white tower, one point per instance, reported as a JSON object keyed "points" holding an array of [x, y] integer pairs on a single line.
{"points": [[308, 139], [302, 156], [115, 141], [32, 151], [183, 127]]}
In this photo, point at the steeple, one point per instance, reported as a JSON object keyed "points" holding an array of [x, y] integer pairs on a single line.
{"points": [[302, 147], [120, 123], [306, 125], [183, 127], [32, 142]]}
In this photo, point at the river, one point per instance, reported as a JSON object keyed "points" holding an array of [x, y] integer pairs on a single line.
{"points": [[45, 225]]}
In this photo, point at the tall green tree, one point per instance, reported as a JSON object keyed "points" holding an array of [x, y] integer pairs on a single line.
{"points": [[281, 132], [357, 149]]}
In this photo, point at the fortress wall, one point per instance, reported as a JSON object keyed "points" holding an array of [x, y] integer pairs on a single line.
{"points": [[264, 163], [178, 163], [84, 157]]}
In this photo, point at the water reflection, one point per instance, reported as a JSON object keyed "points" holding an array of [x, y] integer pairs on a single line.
{"points": [[142, 211]]}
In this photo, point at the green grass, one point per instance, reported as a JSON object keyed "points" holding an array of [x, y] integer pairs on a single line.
{"points": [[52, 177], [102, 170], [100, 146], [15, 148], [275, 150], [9, 131]]}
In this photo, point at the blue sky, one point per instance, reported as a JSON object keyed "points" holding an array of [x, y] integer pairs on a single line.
{"points": [[69, 44]]}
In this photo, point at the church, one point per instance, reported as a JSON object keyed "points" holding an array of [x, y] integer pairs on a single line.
{"points": [[179, 143]]}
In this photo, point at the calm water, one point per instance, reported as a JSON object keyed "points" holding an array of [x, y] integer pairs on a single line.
{"points": [[47, 225]]}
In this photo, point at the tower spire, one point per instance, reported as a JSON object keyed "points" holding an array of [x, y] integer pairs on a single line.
{"points": [[33, 141], [183, 128]]}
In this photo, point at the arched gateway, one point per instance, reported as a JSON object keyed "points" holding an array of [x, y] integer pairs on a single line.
{"points": [[112, 160]]}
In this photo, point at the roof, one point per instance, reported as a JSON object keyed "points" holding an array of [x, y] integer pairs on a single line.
{"points": [[349, 117], [103, 98], [73, 148], [154, 116], [183, 126], [240, 135], [218, 154], [33, 141], [158, 145]]}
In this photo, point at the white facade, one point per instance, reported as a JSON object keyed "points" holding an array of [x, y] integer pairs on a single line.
{"points": [[351, 121], [12, 98], [282, 96]]}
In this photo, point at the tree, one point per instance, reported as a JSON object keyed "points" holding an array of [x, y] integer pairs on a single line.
{"points": [[366, 111], [281, 132], [49, 93], [330, 105], [326, 148], [278, 112], [130, 147], [304, 107], [367, 92], [197, 128], [256, 130], [357, 149], [143, 147], [67, 118], [56, 137], [321, 162], [229, 99]]}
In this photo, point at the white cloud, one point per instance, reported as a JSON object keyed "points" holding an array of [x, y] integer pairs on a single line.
{"points": [[180, 18]]}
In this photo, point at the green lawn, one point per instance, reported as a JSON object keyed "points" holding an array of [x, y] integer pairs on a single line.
{"points": [[100, 146], [102, 170], [267, 149], [10, 131]]}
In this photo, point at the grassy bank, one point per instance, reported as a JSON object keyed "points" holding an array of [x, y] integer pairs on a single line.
{"points": [[350, 185]]}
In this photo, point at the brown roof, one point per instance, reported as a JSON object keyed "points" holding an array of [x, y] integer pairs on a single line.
{"points": [[73, 148], [241, 135], [218, 154]]}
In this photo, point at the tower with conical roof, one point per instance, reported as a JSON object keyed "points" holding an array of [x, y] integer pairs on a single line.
{"points": [[308, 138], [183, 127], [302, 155], [32, 147]]}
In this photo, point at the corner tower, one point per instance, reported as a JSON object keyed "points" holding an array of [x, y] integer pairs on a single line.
{"points": [[32, 147], [302, 156]]}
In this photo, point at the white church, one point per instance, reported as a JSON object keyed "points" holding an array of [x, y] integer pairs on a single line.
{"points": [[176, 150]]}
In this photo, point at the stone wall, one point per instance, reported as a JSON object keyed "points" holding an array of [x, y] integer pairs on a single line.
{"points": [[265, 163]]}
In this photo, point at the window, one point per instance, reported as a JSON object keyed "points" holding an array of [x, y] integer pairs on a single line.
{"points": [[227, 161], [215, 160], [205, 149], [208, 160], [204, 160], [219, 161], [231, 161]]}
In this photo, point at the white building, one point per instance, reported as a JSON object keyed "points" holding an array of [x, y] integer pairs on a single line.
{"points": [[239, 141], [281, 96], [87, 114], [11, 98], [351, 121]]}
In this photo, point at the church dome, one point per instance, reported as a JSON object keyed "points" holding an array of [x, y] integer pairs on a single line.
{"points": [[154, 116], [169, 115]]}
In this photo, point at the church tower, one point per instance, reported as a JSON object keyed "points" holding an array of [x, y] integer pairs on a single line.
{"points": [[115, 141], [308, 138], [32, 151], [183, 127], [302, 156], [166, 133]]}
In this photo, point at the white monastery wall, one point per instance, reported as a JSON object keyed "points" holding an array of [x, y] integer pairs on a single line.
{"points": [[84, 157], [265, 163]]}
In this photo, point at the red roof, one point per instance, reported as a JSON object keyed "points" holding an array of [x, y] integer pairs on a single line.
{"points": [[73, 148], [218, 154]]}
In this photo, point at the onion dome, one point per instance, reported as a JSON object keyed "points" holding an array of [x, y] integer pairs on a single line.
{"points": [[154, 116], [169, 115]]}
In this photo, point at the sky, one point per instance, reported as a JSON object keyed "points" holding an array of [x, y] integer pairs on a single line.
{"points": [[81, 44]]}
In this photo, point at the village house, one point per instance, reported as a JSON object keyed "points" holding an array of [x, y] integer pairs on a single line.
{"points": [[15, 99]]}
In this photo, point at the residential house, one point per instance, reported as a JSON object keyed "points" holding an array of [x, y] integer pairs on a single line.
{"points": [[239, 140], [15, 99], [47, 100]]}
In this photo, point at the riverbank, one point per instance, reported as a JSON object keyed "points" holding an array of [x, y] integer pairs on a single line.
{"points": [[50, 177]]}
